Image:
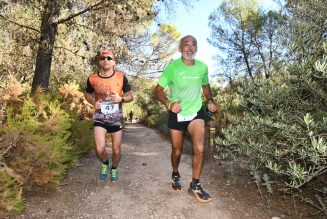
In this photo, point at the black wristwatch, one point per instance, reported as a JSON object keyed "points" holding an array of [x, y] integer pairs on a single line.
{"points": [[122, 99]]}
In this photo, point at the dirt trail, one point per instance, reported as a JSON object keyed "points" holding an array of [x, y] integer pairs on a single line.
{"points": [[143, 189]]}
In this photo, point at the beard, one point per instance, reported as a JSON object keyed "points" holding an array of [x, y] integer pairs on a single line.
{"points": [[188, 57]]}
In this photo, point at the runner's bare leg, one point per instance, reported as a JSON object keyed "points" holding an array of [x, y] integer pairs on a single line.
{"points": [[177, 138], [197, 129], [100, 142], [116, 147]]}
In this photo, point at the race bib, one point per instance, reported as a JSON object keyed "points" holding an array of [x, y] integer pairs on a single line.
{"points": [[109, 108], [181, 118]]}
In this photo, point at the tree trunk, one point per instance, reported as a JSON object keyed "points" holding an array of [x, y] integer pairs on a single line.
{"points": [[47, 40]]}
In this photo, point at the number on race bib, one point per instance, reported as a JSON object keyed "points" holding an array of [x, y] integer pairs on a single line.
{"points": [[109, 108]]}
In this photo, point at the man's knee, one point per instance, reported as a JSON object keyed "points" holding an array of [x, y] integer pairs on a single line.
{"points": [[198, 150], [116, 151], [177, 151], [99, 149]]}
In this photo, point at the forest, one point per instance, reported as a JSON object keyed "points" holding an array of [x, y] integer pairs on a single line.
{"points": [[270, 88]]}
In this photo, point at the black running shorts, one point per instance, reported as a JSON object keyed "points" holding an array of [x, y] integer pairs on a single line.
{"points": [[182, 126], [110, 129]]}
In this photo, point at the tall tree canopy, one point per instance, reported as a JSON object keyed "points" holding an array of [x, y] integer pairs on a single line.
{"points": [[61, 36], [247, 38], [152, 55]]}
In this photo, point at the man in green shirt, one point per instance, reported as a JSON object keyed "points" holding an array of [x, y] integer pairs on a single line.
{"points": [[186, 77]]}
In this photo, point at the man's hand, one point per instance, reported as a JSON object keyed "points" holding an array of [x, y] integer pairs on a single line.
{"points": [[176, 106], [212, 106], [115, 97], [98, 104]]}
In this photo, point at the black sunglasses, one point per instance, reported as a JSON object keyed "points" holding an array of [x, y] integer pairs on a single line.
{"points": [[109, 58]]}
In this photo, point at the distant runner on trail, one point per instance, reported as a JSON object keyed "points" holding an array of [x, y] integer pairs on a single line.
{"points": [[131, 115], [107, 90], [185, 77]]}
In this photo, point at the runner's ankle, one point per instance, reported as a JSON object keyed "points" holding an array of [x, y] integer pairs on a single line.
{"points": [[175, 174], [194, 182], [106, 162]]}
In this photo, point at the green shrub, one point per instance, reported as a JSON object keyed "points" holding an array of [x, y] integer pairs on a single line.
{"points": [[10, 195], [44, 138], [283, 132], [82, 135], [44, 151]]}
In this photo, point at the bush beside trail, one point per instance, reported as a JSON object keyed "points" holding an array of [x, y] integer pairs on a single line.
{"points": [[42, 136], [280, 128]]}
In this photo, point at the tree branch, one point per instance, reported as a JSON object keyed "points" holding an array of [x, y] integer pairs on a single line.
{"points": [[75, 53], [21, 25], [90, 8], [319, 172]]}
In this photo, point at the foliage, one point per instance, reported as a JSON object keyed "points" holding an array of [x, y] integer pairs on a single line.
{"points": [[82, 136], [64, 37], [44, 130], [278, 122], [306, 30], [248, 39], [74, 100], [149, 111], [10, 195], [41, 137], [152, 56], [154, 113], [279, 132]]}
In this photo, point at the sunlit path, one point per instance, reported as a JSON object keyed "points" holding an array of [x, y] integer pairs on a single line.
{"points": [[143, 189]]}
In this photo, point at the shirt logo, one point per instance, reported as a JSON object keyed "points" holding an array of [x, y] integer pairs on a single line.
{"points": [[181, 73], [191, 77]]}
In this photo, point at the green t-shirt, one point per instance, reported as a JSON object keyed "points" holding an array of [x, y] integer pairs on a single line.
{"points": [[185, 83]]}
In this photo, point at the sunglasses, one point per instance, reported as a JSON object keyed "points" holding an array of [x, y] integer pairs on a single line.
{"points": [[109, 58]]}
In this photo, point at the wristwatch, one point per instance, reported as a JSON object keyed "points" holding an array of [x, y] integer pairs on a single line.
{"points": [[122, 99]]}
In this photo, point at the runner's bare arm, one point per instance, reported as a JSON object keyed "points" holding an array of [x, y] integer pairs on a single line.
{"points": [[207, 92], [208, 95], [89, 98], [160, 94], [128, 97]]}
